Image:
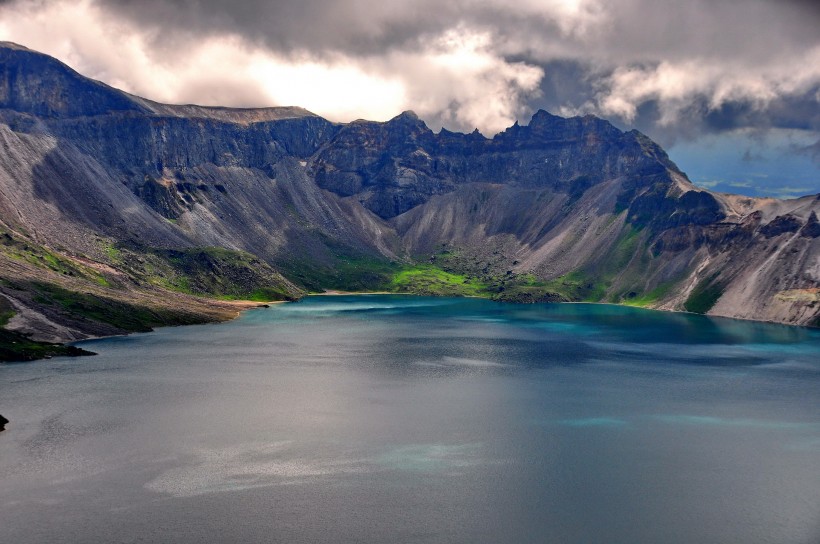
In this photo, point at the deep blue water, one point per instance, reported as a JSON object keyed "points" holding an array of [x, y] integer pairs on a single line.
{"points": [[406, 419]]}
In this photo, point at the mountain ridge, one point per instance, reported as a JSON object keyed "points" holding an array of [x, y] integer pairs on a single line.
{"points": [[558, 209]]}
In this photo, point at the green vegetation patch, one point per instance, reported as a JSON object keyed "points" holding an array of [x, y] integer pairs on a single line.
{"points": [[526, 288], [122, 315], [41, 257], [456, 272], [648, 298], [578, 286], [224, 273], [6, 311], [348, 273], [704, 296], [5, 317], [624, 250], [427, 279], [113, 253], [206, 271]]}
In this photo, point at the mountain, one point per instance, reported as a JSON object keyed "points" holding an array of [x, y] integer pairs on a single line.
{"points": [[118, 213]]}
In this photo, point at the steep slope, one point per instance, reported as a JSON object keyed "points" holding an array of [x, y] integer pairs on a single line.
{"points": [[118, 198], [594, 213]]}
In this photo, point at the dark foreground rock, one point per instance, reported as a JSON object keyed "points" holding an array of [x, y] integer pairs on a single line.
{"points": [[16, 347]]}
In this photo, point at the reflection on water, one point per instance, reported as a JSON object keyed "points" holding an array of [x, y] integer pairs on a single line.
{"points": [[393, 419], [246, 466]]}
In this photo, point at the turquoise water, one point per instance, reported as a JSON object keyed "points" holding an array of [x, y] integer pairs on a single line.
{"points": [[408, 419]]}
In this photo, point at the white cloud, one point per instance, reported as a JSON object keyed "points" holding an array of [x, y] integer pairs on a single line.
{"points": [[455, 77], [458, 79], [677, 85], [575, 18]]}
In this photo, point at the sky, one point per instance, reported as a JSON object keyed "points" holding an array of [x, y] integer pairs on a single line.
{"points": [[730, 88]]}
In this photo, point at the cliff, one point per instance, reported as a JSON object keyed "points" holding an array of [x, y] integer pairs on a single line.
{"points": [[170, 210]]}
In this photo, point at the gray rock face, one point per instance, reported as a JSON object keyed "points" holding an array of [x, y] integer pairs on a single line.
{"points": [[88, 166], [396, 166], [67, 94]]}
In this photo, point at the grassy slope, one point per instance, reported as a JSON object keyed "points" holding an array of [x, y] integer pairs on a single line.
{"points": [[6, 312], [705, 294], [619, 277], [209, 271], [135, 290], [72, 287]]}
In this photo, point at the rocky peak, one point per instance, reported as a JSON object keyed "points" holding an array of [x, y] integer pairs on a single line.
{"points": [[545, 128], [406, 126], [37, 84], [543, 118], [406, 116]]}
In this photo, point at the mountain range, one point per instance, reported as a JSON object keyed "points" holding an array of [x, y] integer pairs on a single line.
{"points": [[118, 214]]}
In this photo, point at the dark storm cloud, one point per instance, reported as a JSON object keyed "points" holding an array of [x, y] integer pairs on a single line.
{"points": [[351, 26], [566, 82], [795, 112], [745, 33], [633, 27]]}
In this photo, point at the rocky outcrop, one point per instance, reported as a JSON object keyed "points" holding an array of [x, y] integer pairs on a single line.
{"points": [[395, 166], [555, 209], [38, 84], [3, 423]]}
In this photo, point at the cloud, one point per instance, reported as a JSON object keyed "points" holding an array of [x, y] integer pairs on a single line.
{"points": [[452, 78], [672, 69], [457, 80], [753, 156], [809, 150], [676, 87]]}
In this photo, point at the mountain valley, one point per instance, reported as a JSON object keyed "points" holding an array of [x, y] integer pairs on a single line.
{"points": [[119, 214]]}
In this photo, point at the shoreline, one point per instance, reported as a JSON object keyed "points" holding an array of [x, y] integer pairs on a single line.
{"points": [[337, 293], [242, 306], [684, 312], [234, 309]]}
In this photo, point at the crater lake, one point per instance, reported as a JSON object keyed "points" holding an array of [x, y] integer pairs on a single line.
{"points": [[381, 418]]}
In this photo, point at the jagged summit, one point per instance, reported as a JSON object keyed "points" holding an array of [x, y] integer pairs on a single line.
{"points": [[410, 120], [542, 116], [407, 114]]}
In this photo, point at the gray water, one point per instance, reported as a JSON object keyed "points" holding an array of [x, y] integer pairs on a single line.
{"points": [[400, 419]]}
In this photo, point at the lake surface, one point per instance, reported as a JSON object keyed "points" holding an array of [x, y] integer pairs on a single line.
{"points": [[407, 419]]}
